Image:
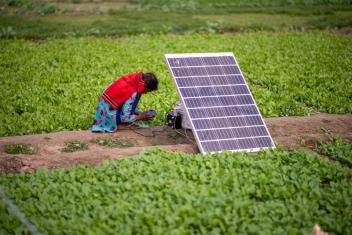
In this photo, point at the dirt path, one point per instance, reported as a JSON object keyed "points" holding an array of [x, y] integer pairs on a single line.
{"points": [[288, 132]]}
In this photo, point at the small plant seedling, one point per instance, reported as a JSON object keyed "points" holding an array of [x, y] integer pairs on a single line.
{"points": [[123, 143], [113, 142], [325, 131], [74, 145], [103, 141], [302, 141], [19, 148]]}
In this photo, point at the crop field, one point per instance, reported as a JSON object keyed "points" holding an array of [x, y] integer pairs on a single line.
{"points": [[134, 23], [43, 19], [289, 74], [57, 56], [273, 192]]}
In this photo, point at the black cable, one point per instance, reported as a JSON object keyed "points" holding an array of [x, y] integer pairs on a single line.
{"points": [[153, 131], [164, 128], [185, 135]]}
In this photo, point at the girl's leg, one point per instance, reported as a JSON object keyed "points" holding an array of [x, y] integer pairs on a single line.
{"points": [[127, 112]]}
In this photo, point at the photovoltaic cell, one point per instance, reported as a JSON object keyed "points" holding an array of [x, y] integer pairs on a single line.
{"points": [[214, 91], [228, 122], [213, 112], [221, 108], [223, 101], [207, 81]]}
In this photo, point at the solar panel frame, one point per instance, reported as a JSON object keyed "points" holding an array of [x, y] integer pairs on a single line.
{"points": [[207, 55]]}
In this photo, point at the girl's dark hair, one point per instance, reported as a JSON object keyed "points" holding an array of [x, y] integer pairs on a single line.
{"points": [[150, 81]]}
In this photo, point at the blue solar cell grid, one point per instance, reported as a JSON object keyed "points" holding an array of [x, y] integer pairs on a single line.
{"points": [[220, 106]]}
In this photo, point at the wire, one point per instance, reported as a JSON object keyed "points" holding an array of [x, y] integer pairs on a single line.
{"points": [[17, 212], [130, 127], [185, 135]]}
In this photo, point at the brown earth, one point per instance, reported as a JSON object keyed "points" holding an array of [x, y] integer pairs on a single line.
{"points": [[347, 31], [287, 132]]}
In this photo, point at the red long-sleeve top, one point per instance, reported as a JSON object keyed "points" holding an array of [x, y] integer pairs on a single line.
{"points": [[121, 89]]}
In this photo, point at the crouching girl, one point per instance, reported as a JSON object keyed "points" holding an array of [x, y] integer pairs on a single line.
{"points": [[117, 105]]}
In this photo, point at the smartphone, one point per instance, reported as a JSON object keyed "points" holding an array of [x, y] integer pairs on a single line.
{"points": [[151, 113]]}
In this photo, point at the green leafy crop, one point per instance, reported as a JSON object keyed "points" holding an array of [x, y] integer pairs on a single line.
{"points": [[272, 192], [55, 85], [9, 224], [338, 149]]}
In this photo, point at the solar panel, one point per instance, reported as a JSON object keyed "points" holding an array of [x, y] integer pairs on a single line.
{"points": [[221, 108]]}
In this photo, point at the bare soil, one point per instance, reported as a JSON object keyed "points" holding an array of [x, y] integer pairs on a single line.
{"points": [[346, 31], [287, 132]]}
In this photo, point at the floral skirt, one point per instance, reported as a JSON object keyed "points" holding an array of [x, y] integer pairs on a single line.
{"points": [[105, 118]]}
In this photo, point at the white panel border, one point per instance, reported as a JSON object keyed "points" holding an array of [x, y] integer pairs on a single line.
{"points": [[207, 54]]}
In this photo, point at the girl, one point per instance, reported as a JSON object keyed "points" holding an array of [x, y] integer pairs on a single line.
{"points": [[118, 102]]}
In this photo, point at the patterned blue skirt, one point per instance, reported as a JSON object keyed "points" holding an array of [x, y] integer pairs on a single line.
{"points": [[105, 118]]}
